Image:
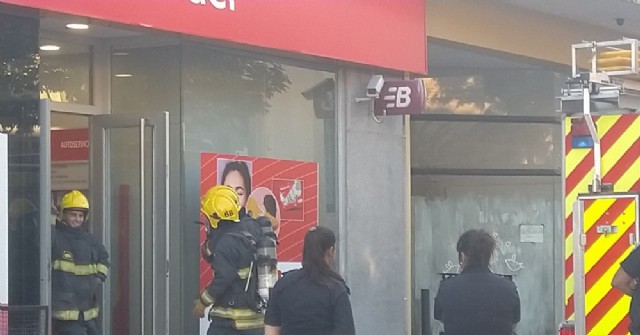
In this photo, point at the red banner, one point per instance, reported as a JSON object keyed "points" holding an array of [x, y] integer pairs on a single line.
{"points": [[284, 190], [70, 145], [385, 33]]}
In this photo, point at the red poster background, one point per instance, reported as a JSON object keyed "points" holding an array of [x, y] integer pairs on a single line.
{"points": [[384, 33], [296, 217]]}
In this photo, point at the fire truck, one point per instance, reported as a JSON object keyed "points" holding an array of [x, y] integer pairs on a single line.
{"points": [[601, 172]]}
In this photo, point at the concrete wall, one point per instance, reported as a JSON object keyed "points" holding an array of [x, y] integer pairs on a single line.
{"points": [[510, 29], [374, 241]]}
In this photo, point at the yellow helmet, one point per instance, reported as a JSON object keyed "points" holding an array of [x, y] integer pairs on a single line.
{"points": [[220, 202], [74, 200]]}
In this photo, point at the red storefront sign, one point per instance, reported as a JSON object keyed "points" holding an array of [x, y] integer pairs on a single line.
{"points": [[384, 33], [70, 145]]}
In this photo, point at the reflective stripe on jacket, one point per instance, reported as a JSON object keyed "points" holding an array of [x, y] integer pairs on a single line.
{"points": [[71, 315], [80, 270], [243, 319]]}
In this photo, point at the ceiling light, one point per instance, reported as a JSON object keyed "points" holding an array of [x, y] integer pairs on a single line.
{"points": [[78, 26], [123, 75], [120, 53], [49, 47]]}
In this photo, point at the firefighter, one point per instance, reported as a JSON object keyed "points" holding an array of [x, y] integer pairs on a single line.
{"points": [[230, 249], [80, 264]]}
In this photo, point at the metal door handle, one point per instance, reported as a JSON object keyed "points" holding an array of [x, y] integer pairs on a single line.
{"points": [[606, 229], [632, 239], [142, 228]]}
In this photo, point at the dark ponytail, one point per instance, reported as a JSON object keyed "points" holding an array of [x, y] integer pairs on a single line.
{"points": [[316, 243]]}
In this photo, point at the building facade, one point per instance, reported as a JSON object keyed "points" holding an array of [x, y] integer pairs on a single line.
{"points": [[138, 107], [130, 109]]}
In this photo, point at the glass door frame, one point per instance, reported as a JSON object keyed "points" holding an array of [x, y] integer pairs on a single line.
{"points": [[157, 224], [45, 208]]}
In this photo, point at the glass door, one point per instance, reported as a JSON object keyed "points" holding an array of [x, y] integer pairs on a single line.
{"points": [[129, 192]]}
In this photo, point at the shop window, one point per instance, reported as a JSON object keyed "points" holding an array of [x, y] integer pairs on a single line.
{"points": [[146, 81], [497, 92], [259, 107], [469, 81], [278, 120], [19, 118], [65, 72], [481, 145]]}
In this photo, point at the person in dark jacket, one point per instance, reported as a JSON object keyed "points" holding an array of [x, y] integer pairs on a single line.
{"points": [[626, 280], [313, 300], [230, 250], [80, 264], [477, 301]]}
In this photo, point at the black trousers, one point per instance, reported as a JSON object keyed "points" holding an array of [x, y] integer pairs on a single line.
{"points": [[220, 326], [76, 327]]}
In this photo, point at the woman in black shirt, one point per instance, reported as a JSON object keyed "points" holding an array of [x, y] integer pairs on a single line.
{"points": [[477, 301], [313, 300]]}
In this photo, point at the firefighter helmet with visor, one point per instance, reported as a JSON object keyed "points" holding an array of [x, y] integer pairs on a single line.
{"points": [[221, 202]]}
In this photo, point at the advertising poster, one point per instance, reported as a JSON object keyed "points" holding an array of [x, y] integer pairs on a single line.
{"points": [[284, 190]]}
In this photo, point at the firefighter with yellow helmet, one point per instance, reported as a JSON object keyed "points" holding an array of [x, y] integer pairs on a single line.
{"points": [[230, 250], [80, 264]]}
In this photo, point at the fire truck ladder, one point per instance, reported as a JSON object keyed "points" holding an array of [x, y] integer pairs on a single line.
{"points": [[605, 81], [608, 83]]}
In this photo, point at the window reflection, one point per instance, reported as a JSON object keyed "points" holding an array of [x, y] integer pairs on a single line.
{"points": [[494, 92], [260, 107], [19, 61], [65, 74], [461, 95], [479, 145], [19, 117]]}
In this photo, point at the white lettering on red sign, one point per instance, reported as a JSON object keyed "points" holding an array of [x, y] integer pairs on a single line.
{"points": [[74, 144], [400, 97], [218, 4]]}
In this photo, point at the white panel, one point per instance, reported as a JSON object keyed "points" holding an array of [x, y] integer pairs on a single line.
{"points": [[4, 220]]}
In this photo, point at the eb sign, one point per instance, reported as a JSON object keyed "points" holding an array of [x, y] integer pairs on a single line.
{"points": [[400, 97]]}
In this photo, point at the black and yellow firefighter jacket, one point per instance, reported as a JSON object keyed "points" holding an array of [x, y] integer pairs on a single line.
{"points": [[233, 292], [80, 264]]}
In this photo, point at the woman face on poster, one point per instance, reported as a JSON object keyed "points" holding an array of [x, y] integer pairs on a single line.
{"points": [[236, 175]]}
